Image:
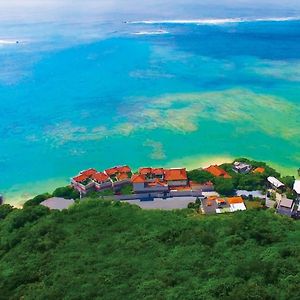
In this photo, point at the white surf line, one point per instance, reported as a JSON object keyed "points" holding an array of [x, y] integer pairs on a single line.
{"points": [[159, 32], [215, 21]]}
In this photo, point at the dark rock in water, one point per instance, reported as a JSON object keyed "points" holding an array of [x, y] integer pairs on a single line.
{"points": [[17, 42]]}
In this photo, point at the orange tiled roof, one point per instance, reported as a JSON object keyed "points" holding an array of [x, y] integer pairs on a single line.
{"points": [[115, 170], [122, 176], [175, 174], [138, 178], [124, 169], [181, 188], [88, 172], [157, 182], [111, 171], [145, 171], [100, 177], [235, 200], [158, 171], [80, 178], [208, 183], [217, 171], [259, 170]]}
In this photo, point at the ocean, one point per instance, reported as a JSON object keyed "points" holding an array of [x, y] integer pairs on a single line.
{"points": [[159, 93]]}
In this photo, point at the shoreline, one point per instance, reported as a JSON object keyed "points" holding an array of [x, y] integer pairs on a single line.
{"points": [[18, 194]]}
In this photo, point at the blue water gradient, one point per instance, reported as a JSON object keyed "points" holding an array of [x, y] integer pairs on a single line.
{"points": [[108, 96]]}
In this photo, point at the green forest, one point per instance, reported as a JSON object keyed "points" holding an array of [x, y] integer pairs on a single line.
{"points": [[109, 250]]}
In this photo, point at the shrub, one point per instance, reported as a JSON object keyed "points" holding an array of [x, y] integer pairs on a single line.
{"points": [[37, 200], [67, 192]]}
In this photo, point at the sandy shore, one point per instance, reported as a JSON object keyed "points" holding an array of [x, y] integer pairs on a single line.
{"points": [[194, 162], [20, 193]]}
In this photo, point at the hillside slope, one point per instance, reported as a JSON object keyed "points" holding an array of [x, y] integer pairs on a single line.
{"points": [[103, 250]]}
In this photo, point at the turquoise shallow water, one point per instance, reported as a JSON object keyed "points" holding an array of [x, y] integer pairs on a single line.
{"points": [[191, 96]]}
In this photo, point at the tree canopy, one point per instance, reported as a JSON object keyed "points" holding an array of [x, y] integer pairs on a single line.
{"points": [[109, 250]]}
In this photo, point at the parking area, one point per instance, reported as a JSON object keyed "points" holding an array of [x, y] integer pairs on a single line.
{"points": [[166, 204]]}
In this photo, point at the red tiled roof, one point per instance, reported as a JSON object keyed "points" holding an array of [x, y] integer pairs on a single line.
{"points": [[138, 178], [235, 200], [88, 172], [100, 177], [80, 178], [217, 171], [175, 174]]}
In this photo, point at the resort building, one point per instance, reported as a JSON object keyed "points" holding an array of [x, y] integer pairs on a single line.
{"points": [[297, 188], [275, 183], [241, 168], [176, 177], [159, 180], [118, 173], [236, 204], [203, 187], [142, 184], [214, 204], [102, 181], [217, 171], [83, 182], [119, 176], [286, 207], [91, 179]]}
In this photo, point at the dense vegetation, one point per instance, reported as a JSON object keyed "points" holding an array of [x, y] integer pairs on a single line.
{"points": [[250, 182], [106, 250], [66, 192]]}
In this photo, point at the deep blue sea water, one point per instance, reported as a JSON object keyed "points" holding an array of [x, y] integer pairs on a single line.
{"points": [[187, 97]]}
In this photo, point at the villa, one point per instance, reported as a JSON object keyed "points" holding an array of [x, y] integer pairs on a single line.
{"points": [[176, 177], [217, 171], [120, 176], [159, 180], [236, 203], [92, 180], [241, 168], [83, 182], [143, 184], [102, 181], [217, 205], [204, 187], [286, 207]]}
